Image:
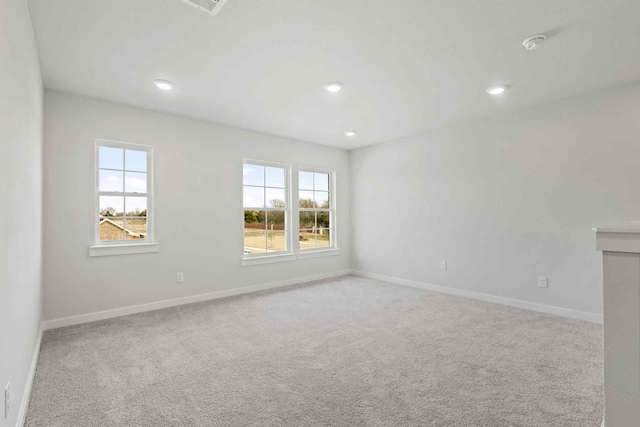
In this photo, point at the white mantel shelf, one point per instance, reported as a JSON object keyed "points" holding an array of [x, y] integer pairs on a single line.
{"points": [[620, 246]]}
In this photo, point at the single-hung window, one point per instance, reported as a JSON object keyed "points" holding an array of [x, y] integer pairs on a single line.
{"points": [[266, 208], [316, 210], [124, 204]]}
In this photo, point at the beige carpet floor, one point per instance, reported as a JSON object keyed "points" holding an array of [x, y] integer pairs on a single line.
{"points": [[341, 352]]}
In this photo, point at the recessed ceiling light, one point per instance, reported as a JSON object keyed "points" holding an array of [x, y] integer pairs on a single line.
{"points": [[533, 43], [163, 84], [334, 86], [351, 133], [496, 90]]}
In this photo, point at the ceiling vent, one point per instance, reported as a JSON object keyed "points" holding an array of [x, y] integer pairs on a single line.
{"points": [[212, 7]]}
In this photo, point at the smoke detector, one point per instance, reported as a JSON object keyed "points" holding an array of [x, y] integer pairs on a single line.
{"points": [[532, 43], [212, 7]]}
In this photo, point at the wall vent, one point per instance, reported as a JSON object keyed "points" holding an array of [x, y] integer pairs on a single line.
{"points": [[210, 6]]}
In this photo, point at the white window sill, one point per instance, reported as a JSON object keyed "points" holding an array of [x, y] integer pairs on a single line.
{"points": [[267, 259], [124, 249], [318, 253]]}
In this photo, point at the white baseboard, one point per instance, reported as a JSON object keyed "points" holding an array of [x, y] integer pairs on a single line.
{"points": [[559, 311], [22, 415], [108, 314]]}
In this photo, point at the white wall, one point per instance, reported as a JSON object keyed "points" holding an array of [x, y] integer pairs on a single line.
{"points": [[503, 200], [20, 201], [198, 207]]}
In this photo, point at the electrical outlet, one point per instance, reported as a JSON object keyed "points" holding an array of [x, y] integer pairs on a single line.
{"points": [[7, 400], [543, 282], [180, 277], [443, 265]]}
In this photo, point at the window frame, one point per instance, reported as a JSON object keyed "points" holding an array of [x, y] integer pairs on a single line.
{"points": [[333, 245], [124, 246], [289, 253]]}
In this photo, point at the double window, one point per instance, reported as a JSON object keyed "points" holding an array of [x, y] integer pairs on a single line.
{"points": [[272, 211]]}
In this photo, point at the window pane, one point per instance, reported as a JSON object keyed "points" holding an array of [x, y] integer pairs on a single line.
{"points": [[275, 220], [136, 206], [276, 241], [253, 197], [323, 238], [321, 181], [255, 232], [110, 228], [315, 238], [323, 219], [307, 220], [305, 180], [306, 199], [135, 182], [110, 180], [275, 177], [252, 174], [110, 158], [135, 160], [321, 199], [254, 219], [135, 228], [255, 239], [307, 239], [275, 198], [111, 206], [314, 230]]}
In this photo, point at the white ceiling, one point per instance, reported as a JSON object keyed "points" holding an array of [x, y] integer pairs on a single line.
{"points": [[408, 66]]}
